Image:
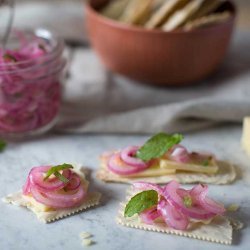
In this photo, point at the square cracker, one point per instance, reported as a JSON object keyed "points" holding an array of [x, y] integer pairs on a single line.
{"points": [[225, 175], [18, 199], [219, 230]]}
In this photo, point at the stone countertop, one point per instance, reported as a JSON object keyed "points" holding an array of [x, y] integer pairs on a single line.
{"points": [[19, 228]]}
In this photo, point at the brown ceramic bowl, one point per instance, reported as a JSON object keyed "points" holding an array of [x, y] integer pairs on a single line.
{"points": [[156, 57]]}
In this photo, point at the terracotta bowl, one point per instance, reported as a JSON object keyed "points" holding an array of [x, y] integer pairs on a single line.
{"points": [[159, 58]]}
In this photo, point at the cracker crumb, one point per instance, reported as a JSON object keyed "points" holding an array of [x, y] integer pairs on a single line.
{"points": [[85, 235], [87, 242]]}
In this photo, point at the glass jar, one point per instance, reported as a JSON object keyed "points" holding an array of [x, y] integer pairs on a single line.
{"points": [[31, 71]]}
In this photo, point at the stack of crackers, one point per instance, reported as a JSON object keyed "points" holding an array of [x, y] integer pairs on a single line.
{"points": [[167, 15]]}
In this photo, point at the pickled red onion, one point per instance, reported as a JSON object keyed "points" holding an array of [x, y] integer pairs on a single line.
{"points": [[74, 183], [179, 154], [118, 166], [200, 192], [173, 217], [53, 192], [195, 212], [149, 215], [172, 207], [36, 178], [54, 200], [29, 84], [142, 185], [211, 205], [128, 156]]}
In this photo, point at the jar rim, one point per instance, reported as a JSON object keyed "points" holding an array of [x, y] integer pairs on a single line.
{"points": [[43, 34]]}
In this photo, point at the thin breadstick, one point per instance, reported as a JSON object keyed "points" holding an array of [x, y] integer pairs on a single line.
{"points": [[207, 20], [182, 16], [164, 12]]}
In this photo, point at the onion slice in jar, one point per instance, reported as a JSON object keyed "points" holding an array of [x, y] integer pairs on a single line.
{"points": [[128, 156], [118, 166], [172, 216]]}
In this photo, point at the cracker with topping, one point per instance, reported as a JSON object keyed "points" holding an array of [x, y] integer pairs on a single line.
{"points": [[162, 159], [217, 229], [46, 213]]}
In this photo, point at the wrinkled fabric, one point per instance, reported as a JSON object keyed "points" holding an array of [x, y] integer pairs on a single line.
{"points": [[97, 100]]}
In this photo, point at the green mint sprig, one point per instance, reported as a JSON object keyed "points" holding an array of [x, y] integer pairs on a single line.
{"points": [[141, 202], [3, 145], [55, 171], [158, 145]]}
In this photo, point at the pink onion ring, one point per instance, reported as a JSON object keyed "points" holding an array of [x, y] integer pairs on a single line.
{"points": [[149, 216], [179, 154], [142, 185], [26, 187], [118, 166], [211, 205], [37, 176], [200, 192], [128, 156], [53, 192], [195, 212], [172, 216], [74, 182], [54, 200]]}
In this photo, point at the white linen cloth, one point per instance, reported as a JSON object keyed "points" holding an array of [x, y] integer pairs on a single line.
{"points": [[97, 100]]}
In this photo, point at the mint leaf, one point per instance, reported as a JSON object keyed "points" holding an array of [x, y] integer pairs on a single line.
{"points": [[205, 163], [55, 170], [141, 202], [3, 145], [61, 177], [158, 145]]}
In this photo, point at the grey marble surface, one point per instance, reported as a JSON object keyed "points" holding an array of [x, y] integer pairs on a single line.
{"points": [[19, 229]]}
